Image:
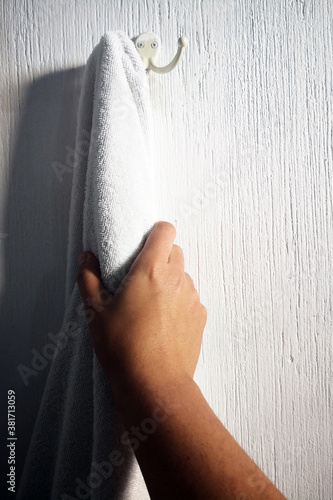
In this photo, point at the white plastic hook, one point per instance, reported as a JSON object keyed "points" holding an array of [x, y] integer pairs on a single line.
{"points": [[148, 46]]}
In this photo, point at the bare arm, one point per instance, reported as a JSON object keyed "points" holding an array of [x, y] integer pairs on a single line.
{"points": [[148, 339]]}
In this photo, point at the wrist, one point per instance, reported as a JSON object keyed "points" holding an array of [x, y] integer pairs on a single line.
{"points": [[150, 391]]}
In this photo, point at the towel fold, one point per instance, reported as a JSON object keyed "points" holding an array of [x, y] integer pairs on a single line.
{"points": [[75, 451]]}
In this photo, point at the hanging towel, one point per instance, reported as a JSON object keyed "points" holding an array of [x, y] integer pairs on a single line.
{"points": [[75, 451]]}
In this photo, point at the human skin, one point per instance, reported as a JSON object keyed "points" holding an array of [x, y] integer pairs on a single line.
{"points": [[147, 337]]}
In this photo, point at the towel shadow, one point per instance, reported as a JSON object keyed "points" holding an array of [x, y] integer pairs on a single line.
{"points": [[37, 216]]}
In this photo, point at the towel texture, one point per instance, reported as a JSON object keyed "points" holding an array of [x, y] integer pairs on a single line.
{"points": [[75, 451]]}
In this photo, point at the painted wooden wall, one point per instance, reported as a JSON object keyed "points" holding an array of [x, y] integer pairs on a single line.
{"points": [[243, 135]]}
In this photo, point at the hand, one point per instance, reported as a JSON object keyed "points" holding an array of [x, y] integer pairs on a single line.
{"points": [[147, 337], [151, 328]]}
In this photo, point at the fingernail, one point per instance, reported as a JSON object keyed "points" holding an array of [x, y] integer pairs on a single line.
{"points": [[82, 257]]}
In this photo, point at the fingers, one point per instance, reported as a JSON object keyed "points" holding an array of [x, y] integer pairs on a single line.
{"points": [[190, 281], [89, 280], [159, 243], [203, 310], [176, 257]]}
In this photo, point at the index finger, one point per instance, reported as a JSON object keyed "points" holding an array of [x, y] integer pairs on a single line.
{"points": [[159, 243]]}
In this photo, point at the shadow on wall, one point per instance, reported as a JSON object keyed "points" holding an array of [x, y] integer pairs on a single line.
{"points": [[37, 220], [37, 215]]}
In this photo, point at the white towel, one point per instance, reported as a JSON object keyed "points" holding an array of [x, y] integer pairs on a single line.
{"points": [[112, 211]]}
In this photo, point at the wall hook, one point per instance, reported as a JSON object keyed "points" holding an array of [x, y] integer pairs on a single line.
{"points": [[148, 46]]}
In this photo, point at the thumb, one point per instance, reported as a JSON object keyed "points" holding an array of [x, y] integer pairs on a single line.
{"points": [[90, 283]]}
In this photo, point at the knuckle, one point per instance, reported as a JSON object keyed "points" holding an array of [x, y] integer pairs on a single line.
{"points": [[153, 270], [203, 312], [177, 279], [178, 249], [190, 281]]}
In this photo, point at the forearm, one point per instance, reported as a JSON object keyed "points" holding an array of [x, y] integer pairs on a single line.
{"points": [[187, 453], [148, 340]]}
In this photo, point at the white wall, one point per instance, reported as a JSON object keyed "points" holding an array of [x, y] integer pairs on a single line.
{"points": [[243, 134]]}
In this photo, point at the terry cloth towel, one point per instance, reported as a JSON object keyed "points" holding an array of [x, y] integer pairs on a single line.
{"points": [[76, 451]]}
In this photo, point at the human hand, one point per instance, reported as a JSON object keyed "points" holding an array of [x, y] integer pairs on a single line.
{"points": [[151, 328]]}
